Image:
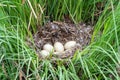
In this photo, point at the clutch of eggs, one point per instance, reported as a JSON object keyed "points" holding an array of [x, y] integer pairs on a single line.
{"points": [[57, 49]]}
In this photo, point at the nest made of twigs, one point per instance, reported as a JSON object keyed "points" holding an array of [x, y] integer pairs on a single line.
{"points": [[62, 32]]}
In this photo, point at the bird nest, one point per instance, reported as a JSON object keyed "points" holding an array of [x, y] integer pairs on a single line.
{"points": [[62, 32]]}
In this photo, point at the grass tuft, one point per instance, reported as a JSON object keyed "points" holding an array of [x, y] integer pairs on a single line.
{"points": [[19, 19]]}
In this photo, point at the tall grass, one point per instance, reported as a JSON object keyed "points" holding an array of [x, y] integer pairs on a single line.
{"points": [[98, 61]]}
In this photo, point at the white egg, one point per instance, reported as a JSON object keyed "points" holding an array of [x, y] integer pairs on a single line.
{"points": [[48, 47], [58, 47], [70, 44], [44, 53]]}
